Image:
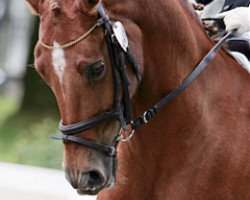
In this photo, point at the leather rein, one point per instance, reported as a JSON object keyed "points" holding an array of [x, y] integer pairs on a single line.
{"points": [[119, 51]]}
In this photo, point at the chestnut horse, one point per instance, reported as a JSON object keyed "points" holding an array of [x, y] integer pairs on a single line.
{"points": [[196, 147]]}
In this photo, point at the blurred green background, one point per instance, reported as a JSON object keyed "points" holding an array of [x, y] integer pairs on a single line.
{"points": [[28, 111]]}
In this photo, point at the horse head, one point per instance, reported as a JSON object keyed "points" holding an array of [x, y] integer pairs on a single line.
{"points": [[72, 57], [88, 60]]}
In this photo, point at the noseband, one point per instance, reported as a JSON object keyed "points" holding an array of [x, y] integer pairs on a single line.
{"points": [[119, 51]]}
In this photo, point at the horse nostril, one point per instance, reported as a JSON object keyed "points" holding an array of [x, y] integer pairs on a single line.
{"points": [[95, 179]]}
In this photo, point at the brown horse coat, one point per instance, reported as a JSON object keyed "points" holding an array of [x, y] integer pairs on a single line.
{"points": [[197, 147]]}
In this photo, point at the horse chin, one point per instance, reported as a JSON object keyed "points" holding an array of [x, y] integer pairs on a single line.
{"points": [[88, 191]]}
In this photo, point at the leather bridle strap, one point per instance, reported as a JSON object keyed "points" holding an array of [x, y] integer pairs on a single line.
{"points": [[133, 65], [87, 124], [150, 113], [110, 150], [117, 57]]}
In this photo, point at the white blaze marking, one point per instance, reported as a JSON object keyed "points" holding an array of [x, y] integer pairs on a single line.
{"points": [[58, 59]]}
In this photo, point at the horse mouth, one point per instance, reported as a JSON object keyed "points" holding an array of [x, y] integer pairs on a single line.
{"points": [[99, 175], [95, 190]]}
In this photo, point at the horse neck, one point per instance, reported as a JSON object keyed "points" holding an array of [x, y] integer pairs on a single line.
{"points": [[173, 43]]}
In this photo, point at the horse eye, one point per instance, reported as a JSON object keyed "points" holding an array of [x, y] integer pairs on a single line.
{"points": [[96, 71]]}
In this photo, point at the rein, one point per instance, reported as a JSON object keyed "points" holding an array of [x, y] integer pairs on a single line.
{"points": [[118, 49], [149, 114]]}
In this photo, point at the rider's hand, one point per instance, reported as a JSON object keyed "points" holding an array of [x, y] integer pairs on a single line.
{"points": [[198, 6], [237, 19]]}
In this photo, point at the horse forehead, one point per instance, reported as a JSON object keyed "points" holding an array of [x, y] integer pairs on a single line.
{"points": [[58, 61], [62, 28]]}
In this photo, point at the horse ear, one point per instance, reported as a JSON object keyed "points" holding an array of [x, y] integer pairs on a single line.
{"points": [[93, 2], [87, 6], [33, 6]]}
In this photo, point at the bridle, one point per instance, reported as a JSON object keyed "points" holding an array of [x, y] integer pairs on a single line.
{"points": [[118, 50]]}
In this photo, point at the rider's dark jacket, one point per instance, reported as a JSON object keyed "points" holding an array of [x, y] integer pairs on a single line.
{"points": [[229, 4]]}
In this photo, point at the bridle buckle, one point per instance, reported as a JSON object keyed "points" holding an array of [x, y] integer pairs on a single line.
{"points": [[126, 134], [145, 117], [112, 151]]}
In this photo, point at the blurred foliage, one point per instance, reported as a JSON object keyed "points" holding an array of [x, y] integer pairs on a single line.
{"points": [[26, 126], [37, 95], [25, 137]]}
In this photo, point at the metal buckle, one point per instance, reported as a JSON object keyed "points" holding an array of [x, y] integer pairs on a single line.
{"points": [[144, 117], [112, 151], [65, 138], [126, 135], [102, 20]]}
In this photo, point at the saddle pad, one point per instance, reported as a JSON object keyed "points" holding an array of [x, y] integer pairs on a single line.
{"points": [[241, 59]]}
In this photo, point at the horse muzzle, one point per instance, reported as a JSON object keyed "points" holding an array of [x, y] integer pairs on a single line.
{"points": [[90, 182], [93, 179]]}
